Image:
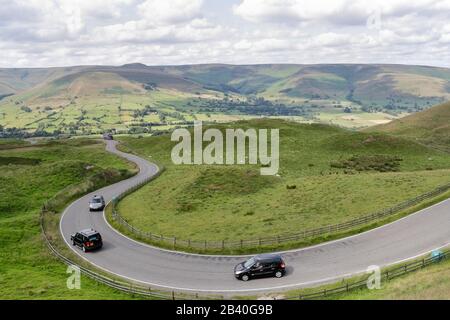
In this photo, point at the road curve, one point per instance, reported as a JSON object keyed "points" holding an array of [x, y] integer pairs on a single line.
{"points": [[404, 239]]}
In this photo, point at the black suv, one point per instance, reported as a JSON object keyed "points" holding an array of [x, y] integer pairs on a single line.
{"points": [[261, 266], [87, 240]]}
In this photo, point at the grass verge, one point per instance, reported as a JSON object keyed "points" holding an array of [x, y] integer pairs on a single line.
{"points": [[282, 246]]}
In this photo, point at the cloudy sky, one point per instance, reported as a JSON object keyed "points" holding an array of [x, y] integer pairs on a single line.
{"points": [[41, 33]]}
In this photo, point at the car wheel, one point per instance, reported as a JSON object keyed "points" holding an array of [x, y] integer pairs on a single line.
{"points": [[278, 274], [73, 243], [245, 277]]}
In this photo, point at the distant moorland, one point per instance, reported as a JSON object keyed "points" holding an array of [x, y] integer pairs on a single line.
{"points": [[136, 98]]}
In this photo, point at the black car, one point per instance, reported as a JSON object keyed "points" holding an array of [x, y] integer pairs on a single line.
{"points": [[108, 136], [261, 266], [87, 240]]}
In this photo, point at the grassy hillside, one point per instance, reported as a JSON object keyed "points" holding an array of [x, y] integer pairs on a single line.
{"points": [[431, 283], [327, 175], [430, 127], [18, 80], [32, 175], [139, 98]]}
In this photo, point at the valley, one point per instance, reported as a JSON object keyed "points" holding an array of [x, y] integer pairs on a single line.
{"points": [[136, 98]]}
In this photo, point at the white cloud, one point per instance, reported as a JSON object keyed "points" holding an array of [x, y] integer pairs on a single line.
{"points": [[345, 12], [286, 10], [67, 32], [170, 11]]}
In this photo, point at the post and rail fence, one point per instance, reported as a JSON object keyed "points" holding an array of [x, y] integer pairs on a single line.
{"points": [[175, 242]]}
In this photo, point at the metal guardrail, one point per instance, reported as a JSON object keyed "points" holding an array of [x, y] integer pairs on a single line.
{"points": [[264, 241]]}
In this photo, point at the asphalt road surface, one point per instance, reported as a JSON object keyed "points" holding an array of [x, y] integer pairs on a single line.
{"points": [[404, 239]]}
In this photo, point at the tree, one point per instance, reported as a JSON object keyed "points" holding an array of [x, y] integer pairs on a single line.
{"points": [[25, 109]]}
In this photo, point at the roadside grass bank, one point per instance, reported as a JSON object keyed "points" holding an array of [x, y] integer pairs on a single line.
{"points": [[431, 283], [27, 269], [327, 176]]}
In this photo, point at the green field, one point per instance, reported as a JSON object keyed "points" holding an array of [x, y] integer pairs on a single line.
{"points": [[337, 174], [27, 269]]}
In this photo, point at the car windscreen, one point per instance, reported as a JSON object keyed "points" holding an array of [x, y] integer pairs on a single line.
{"points": [[249, 263], [94, 237], [96, 200]]}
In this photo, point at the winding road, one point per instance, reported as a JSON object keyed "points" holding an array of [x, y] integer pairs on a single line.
{"points": [[404, 239]]}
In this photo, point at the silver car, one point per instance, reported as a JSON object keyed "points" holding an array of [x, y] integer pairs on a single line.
{"points": [[97, 203]]}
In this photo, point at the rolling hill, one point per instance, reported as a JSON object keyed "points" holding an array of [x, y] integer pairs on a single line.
{"points": [[431, 126], [326, 175], [83, 99]]}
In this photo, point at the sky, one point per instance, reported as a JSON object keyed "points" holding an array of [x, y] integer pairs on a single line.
{"points": [[45, 33]]}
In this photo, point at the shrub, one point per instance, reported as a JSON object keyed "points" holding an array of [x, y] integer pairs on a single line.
{"points": [[380, 163]]}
